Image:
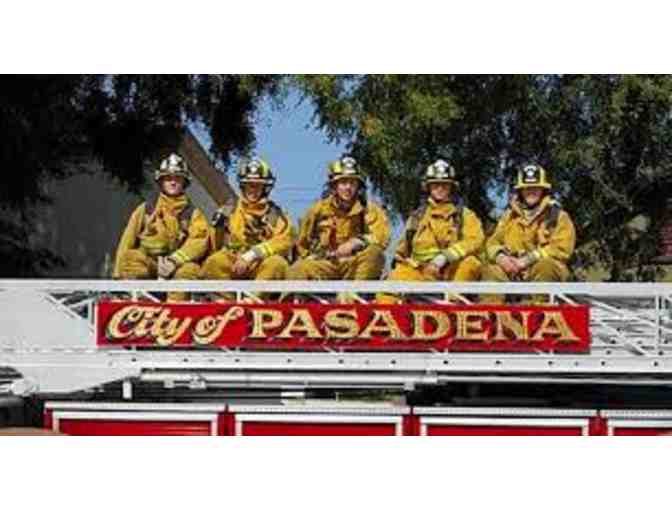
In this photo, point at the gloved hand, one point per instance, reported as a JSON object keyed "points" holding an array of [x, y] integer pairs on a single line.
{"points": [[166, 267], [508, 264], [243, 262], [347, 248], [525, 261], [431, 271], [434, 268]]}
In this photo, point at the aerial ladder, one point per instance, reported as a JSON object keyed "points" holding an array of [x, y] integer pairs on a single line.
{"points": [[50, 358]]}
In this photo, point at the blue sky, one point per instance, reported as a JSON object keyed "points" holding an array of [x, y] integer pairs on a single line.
{"points": [[297, 151]]}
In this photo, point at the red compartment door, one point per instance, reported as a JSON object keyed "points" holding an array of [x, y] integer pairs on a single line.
{"points": [[634, 427], [496, 426], [316, 425], [91, 423]]}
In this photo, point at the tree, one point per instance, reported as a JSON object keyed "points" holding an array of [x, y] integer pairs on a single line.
{"points": [[605, 139], [53, 125], [397, 124]]}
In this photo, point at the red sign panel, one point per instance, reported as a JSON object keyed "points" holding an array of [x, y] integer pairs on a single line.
{"points": [[471, 328]]}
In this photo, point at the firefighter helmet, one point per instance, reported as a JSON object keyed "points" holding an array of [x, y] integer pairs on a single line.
{"points": [[532, 176], [173, 165], [345, 168], [257, 170], [439, 171]]}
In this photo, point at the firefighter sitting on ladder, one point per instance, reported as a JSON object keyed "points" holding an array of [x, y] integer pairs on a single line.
{"points": [[534, 238], [441, 237], [166, 236], [255, 240], [344, 235]]}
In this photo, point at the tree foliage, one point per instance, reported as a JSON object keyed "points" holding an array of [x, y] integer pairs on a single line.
{"points": [[54, 125], [605, 139]]}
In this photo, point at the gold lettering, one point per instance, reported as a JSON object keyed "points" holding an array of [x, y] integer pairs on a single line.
{"points": [[341, 324], [554, 324], [126, 316], [505, 321], [300, 322], [436, 319], [161, 323], [144, 327], [209, 328], [468, 320], [388, 326], [167, 331], [264, 319]]}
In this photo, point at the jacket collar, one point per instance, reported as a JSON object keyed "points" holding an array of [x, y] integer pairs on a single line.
{"points": [[172, 205], [259, 208], [528, 216], [357, 207], [443, 209]]}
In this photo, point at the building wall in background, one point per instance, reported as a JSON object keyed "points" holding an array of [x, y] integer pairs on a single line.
{"points": [[89, 212]]}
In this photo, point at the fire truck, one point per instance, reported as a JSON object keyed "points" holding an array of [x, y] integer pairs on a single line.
{"points": [[99, 357]]}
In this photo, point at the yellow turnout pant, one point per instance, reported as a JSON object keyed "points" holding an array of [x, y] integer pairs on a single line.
{"points": [[136, 265], [219, 266], [546, 270], [466, 270], [366, 265]]}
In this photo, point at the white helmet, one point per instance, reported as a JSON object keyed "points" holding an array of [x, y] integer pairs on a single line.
{"points": [[173, 165], [439, 171]]}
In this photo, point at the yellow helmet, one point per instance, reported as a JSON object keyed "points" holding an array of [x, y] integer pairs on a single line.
{"points": [[257, 170], [532, 176], [173, 165], [345, 168]]}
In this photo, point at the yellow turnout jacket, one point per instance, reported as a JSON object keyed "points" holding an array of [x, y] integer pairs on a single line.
{"points": [[546, 231], [171, 228], [326, 226], [436, 228]]}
